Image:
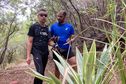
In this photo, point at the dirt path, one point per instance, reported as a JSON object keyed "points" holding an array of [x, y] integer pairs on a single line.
{"points": [[17, 73]]}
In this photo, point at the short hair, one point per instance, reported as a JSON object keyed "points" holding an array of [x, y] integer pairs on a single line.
{"points": [[64, 12], [41, 10]]}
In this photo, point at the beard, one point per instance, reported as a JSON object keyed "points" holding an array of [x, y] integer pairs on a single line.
{"points": [[60, 22]]}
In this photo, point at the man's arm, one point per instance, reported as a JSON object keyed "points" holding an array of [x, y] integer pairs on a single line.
{"points": [[29, 47]]}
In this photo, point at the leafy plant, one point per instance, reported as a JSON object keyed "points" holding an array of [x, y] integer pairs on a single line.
{"points": [[90, 69]]}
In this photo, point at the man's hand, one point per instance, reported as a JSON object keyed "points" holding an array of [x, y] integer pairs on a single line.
{"points": [[28, 60], [55, 38], [55, 47]]}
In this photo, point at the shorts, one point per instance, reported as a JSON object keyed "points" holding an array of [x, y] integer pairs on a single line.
{"points": [[63, 53]]}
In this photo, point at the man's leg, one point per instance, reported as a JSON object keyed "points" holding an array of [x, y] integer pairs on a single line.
{"points": [[38, 65], [72, 61], [44, 61], [39, 70]]}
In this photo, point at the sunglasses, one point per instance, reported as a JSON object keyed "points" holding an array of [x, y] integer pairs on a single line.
{"points": [[43, 15]]}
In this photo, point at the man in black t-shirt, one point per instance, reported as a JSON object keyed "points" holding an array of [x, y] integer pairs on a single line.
{"points": [[37, 44]]}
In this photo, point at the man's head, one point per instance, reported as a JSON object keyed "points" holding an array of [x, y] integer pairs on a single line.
{"points": [[42, 14], [61, 16]]}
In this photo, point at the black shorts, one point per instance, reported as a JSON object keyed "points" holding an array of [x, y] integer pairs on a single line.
{"points": [[63, 53]]}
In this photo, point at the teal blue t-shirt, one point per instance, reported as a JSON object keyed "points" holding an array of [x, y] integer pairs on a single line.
{"points": [[63, 32]]}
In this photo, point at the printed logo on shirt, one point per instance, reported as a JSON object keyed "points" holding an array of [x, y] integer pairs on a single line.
{"points": [[43, 33], [66, 29]]}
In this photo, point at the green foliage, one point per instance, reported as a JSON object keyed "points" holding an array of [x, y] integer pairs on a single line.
{"points": [[49, 80], [89, 71], [121, 66]]}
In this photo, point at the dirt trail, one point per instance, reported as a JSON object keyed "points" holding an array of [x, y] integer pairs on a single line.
{"points": [[17, 73]]}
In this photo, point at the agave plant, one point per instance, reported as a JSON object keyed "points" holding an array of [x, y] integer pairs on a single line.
{"points": [[90, 69]]}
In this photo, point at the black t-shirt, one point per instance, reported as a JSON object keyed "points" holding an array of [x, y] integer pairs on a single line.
{"points": [[40, 36]]}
